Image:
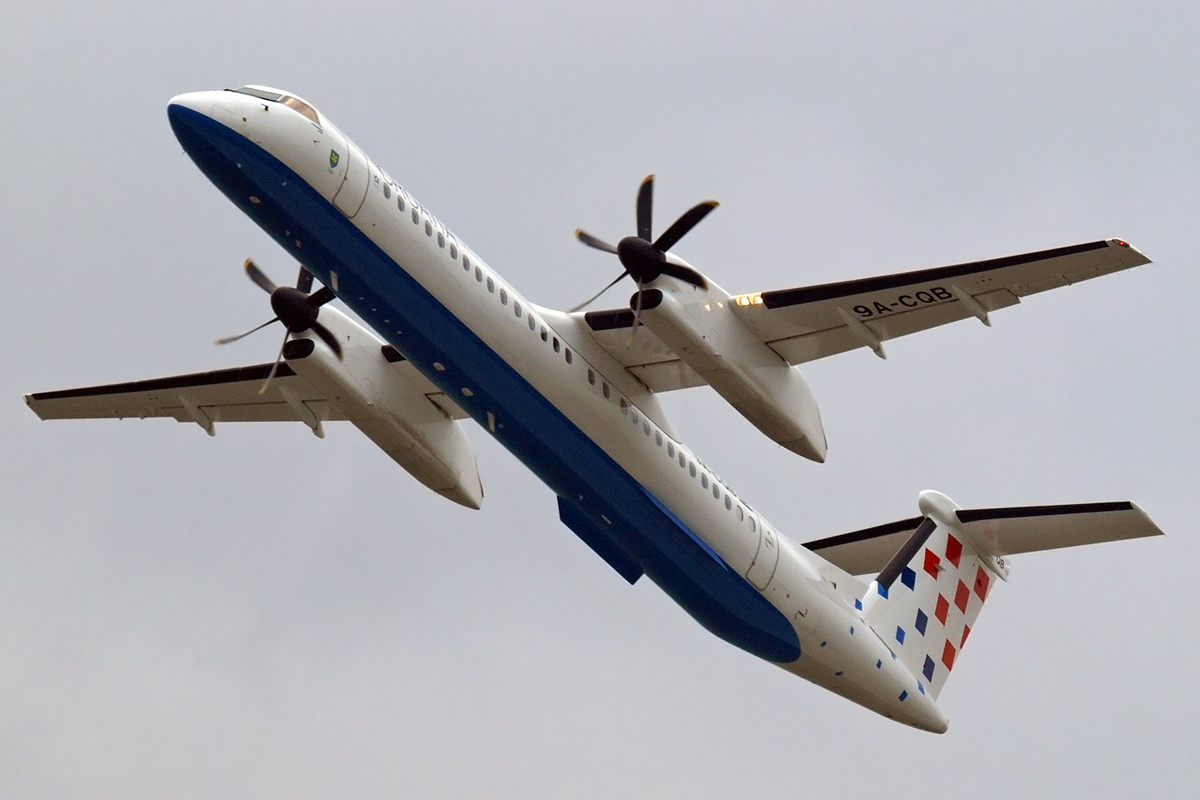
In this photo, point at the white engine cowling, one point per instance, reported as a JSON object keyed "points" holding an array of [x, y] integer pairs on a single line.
{"points": [[701, 328], [390, 402]]}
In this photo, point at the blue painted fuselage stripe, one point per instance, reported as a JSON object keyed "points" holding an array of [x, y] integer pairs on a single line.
{"points": [[408, 316]]}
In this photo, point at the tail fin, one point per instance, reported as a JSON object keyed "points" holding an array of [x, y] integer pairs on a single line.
{"points": [[924, 603]]}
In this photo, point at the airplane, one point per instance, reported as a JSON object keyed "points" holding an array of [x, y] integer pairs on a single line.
{"points": [[878, 616]]}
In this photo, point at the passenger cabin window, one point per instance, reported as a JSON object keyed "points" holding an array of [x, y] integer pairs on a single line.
{"points": [[532, 323], [670, 449], [441, 240], [604, 386], [416, 216], [624, 406], [399, 201], [466, 262], [503, 297], [591, 377], [453, 250], [491, 285], [478, 275], [658, 438], [554, 344], [516, 309], [567, 353], [428, 228], [387, 191], [741, 514], [704, 480]]}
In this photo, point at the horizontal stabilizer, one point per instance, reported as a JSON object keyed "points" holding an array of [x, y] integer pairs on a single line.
{"points": [[1021, 529]]}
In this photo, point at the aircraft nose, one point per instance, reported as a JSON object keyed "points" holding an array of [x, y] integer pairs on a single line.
{"points": [[187, 113], [200, 102]]}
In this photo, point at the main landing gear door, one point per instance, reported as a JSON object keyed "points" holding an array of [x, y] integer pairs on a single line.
{"points": [[346, 156]]}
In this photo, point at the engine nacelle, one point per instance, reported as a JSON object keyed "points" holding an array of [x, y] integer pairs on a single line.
{"points": [[389, 402], [701, 328]]}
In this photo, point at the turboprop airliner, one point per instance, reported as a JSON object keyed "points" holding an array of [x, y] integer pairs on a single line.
{"points": [[878, 616]]}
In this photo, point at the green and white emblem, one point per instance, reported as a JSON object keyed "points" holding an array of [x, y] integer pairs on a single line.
{"points": [[334, 158]]}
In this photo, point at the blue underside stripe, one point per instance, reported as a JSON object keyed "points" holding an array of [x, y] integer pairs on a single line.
{"points": [[531, 427]]}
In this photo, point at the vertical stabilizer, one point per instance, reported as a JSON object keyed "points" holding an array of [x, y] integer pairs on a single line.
{"points": [[924, 603]]}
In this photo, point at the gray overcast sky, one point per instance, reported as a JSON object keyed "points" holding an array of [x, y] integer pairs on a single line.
{"points": [[264, 614]]}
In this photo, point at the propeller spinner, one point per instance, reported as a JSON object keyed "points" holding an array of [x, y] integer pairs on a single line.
{"points": [[295, 308], [644, 258]]}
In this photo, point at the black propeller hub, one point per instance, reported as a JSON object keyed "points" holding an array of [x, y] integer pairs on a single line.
{"points": [[294, 309], [640, 258]]}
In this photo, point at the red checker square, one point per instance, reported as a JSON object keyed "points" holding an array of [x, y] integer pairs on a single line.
{"points": [[943, 608], [932, 562], [966, 633], [962, 595], [953, 550], [981, 583], [948, 654]]}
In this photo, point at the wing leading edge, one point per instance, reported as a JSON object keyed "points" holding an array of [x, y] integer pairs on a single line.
{"points": [[813, 322]]}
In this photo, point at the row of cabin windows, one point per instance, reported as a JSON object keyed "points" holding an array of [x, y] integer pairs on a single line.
{"points": [[533, 326], [479, 276], [636, 419]]}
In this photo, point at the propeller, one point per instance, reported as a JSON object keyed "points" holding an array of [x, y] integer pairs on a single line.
{"points": [[295, 308], [644, 258]]}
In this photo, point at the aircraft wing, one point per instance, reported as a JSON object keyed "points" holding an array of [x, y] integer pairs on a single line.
{"points": [[229, 395], [205, 398], [813, 322], [1024, 529]]}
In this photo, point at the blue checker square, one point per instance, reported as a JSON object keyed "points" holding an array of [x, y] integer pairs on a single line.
{"points": [[928, 670], [904, 695], [858, 604], [908, 578], [922, 621], [899, 634], [879, 587]]}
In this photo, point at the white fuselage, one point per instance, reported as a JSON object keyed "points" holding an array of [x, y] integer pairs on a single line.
{"points": [[556, 356]]}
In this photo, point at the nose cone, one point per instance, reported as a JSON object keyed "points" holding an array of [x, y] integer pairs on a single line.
{"points": [[188, 114]]}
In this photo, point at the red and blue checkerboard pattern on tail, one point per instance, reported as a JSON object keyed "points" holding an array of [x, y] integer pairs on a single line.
{"points": [[928, 612]]}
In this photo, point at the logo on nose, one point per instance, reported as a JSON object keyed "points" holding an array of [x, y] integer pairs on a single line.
{"points": [[334, 158]]}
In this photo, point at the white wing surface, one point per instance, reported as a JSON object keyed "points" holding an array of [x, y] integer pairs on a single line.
{"points": [[817, 321]]}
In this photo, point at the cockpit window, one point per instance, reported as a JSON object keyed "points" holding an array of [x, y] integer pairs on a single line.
{"points": [[301, 106], [259, 93], [294, 103]]}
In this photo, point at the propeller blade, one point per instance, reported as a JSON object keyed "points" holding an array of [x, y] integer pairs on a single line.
{"points": [[682, 225], [260, 279], [321, 298], [229, 339], [637, 315], [328, 338], [592, 299], [685, 274], [304, 281], [592, 241], [645, 207], [275, 366]]}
